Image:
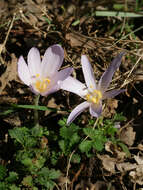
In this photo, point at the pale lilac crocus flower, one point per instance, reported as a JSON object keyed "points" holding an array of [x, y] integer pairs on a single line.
{"points": [[43, 77], [92, 93]]}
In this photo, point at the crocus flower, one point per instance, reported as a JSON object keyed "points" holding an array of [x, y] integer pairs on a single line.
{"points": [[92, 93], [43, 77]]}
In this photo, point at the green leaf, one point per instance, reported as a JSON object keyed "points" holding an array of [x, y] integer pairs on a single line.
{"points": [[27, 181], [53, 174], [62, 122], [19, 134], [2, 172], [47, 20], [42, 108], [67, 132], [30, 142], [93, 133], [62, 146], [45, 177], [75, 158], [98, 144], [118, 6], [74, 139], [7, 112], [119, 117], [76, 22], [3, 186], [27, 162], [39, 163], [37, 131], [13, 176], [125, 149], [14, 187], [117, 13], [85, 146]]}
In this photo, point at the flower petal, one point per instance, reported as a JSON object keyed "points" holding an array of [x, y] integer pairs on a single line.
{"points": [[34, 61], [23, 71], [57, 78], [77, 110], [63, 74], [52, 60], [108, 74], [73, 85], [88, 73], [34, 90], [112, 93], [96, 109], [53, 89]]}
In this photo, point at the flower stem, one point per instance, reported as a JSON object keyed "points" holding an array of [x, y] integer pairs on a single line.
{"points": [[36, 118]]}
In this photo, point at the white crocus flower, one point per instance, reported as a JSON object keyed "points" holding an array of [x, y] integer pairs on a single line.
{"points": [[91, 92], [43, 77]]}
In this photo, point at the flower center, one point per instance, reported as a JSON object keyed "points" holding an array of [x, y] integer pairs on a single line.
{"points": [[41, 84], [94, 97]]}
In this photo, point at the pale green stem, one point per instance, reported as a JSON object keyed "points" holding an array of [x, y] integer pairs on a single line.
{"points": [[36, 118]]}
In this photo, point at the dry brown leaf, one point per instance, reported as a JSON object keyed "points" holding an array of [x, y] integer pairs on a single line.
{"points": [[78, 40], [127, 135], [13, 119], [126, 166], [52, 104], [109, 146], [140, 147], [139, 159], [108, 162], [9, 74], [62, 180], [99, 185], [111, 105], [137, 175], [121, 155]]}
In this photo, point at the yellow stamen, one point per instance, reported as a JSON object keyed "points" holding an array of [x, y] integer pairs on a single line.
{"points": [[41, 85], [94, 97], [37, 75], [91, 86]]}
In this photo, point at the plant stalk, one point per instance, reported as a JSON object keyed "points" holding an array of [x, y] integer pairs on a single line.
{"points": [[36, 116]]}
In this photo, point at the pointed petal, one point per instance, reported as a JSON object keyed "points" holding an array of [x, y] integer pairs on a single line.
{"points": [[23, 71], [73, 85], [88, 73], [96, 109], [63, 74], [112, 93], [52, 60], [34, 61], [108, 74], [76, 111]]}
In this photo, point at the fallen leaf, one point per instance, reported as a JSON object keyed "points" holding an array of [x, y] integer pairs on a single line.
{"points": [[110, 108], [139, 159], [9, 74], [127, 135], [137, 174], [108, 162], [126, 166], [76, 40]]}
